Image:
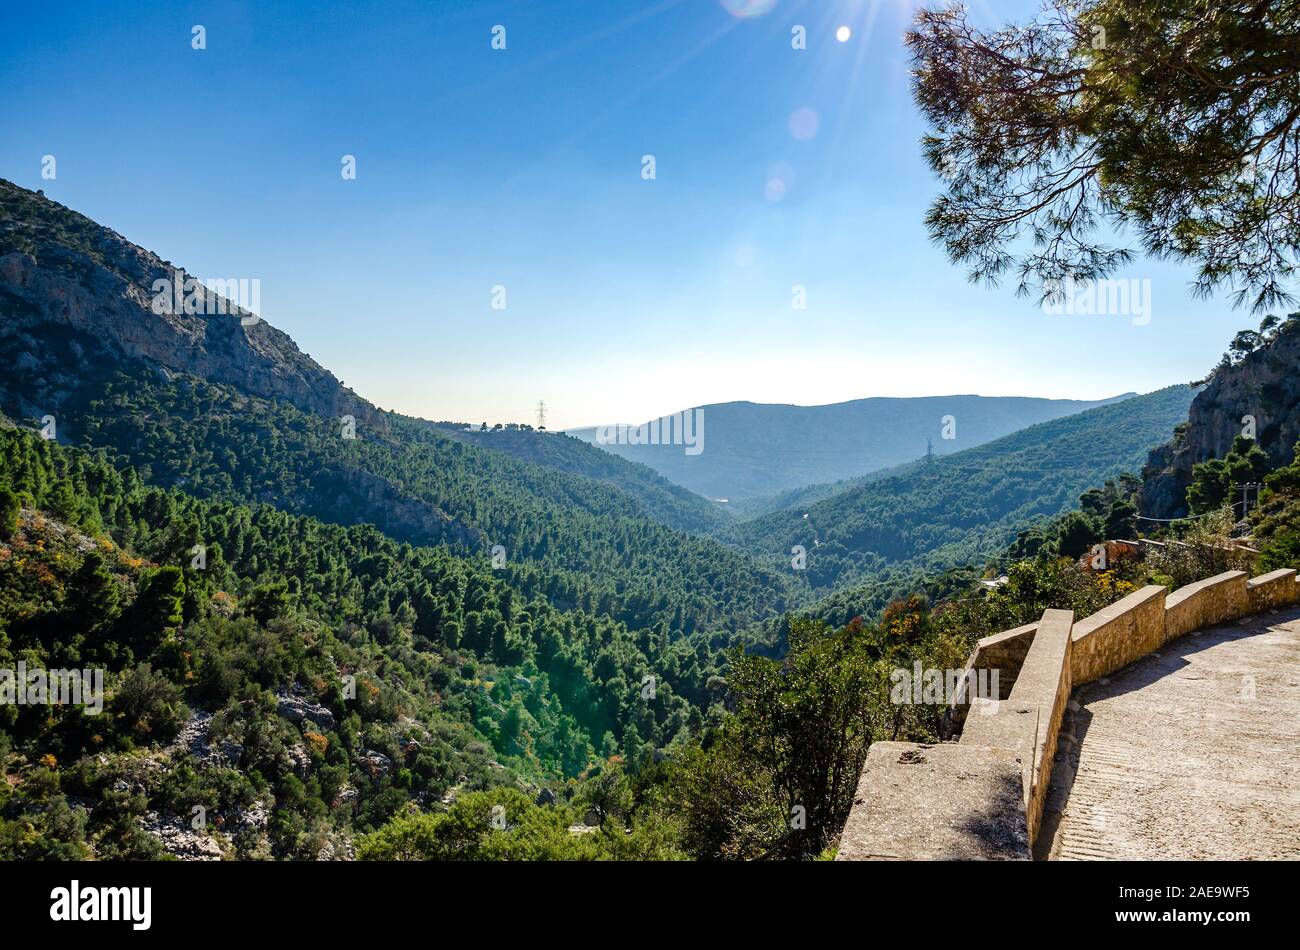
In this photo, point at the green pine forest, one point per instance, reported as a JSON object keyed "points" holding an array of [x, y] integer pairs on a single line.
{"points": [[680, 722]]}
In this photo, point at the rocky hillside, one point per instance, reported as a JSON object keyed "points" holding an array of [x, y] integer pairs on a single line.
{"points": [[1262, 383], [59, 267]]}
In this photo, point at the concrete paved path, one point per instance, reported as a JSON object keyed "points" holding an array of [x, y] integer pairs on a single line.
{"points": [[1193, 752]]}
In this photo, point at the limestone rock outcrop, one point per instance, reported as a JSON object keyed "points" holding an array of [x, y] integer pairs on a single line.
{"points": [[57, 266], [1264, 385]]}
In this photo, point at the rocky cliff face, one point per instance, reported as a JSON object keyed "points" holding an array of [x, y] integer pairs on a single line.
{"points": [[1266, 385], [59, 267]]}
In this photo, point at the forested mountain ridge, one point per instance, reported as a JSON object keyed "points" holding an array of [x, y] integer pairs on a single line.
{"points": [[753, 450], [581, 541], [266, 428], [801, 498], [1235, 431], [960, 508], [670, 504]]}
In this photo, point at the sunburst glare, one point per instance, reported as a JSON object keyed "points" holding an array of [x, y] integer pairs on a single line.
{"points": [[748, 8]]}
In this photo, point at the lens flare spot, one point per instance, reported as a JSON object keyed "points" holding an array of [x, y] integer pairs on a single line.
{"points": [[843, 34], [743, 9], [803, 124], [779, 178]]}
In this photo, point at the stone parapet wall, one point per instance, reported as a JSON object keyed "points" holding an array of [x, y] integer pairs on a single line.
{"points": [[1117, 635], [1011, 725], [982, 796], [1205, 603], [1273, 590]]}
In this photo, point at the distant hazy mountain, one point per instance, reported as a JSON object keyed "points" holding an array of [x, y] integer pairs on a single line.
{"points": [[966, 507], [751, 450]]}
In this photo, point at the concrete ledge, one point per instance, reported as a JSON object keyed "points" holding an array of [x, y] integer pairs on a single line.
{"points": [[1030, 719], [1008, 725], [1119, 634], [1045, 681], [946, 802], [1205, 603], [1003, 725], [1047, 663], [1272, 590]]}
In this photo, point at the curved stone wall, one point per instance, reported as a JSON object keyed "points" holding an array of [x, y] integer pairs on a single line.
{"points": [[982, 796]]}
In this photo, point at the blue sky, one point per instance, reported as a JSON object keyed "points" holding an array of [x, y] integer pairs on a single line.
{"points": [[522, 167]]}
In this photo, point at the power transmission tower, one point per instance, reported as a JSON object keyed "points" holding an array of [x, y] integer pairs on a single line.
{"points": [[541, 414], [929, 451], [1245, 497]]}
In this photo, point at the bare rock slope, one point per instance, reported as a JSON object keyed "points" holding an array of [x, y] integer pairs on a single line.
{"points": [[59, 267]]}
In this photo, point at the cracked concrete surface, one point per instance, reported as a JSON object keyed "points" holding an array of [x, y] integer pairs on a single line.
{"points": [[1192, 752]]}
